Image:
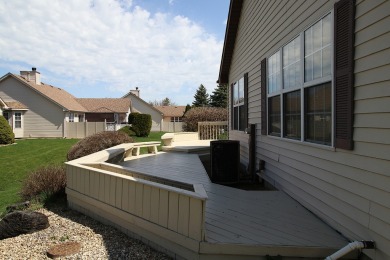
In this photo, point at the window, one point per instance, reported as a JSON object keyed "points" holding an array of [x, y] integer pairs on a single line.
{"points": [[274, 116], [318, 50], [81, 118], [291, 64], [239, 112], [6, 115], [274, 83], [176, 119], [324, 69], [318, 114], [299, 86], [292, 115], [18, 120], [71, 117]]}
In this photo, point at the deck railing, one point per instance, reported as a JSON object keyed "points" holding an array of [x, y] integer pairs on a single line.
{"points": [[212, 130], [157, 204]]}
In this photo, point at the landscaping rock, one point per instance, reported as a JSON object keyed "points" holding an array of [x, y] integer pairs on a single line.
{"points": [[22, 222], [65, 249], [18, 206]]}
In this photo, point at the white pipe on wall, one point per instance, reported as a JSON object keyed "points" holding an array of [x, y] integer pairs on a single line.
{"points": [[350, 247]]}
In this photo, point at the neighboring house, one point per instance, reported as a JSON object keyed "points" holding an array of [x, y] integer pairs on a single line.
{"points": [[2, 105], [36, 109], [313, 77], [12, 112], [143, 107], [106, 109], [173, 117]]}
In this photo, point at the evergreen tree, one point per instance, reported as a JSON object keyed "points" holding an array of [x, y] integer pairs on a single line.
{"points": [[166, 102], [188, 107], [219, 96], [201, 97], [163, 102]]}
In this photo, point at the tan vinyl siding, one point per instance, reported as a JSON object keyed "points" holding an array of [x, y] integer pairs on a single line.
{"points": [[43, 118], [144, 108], [350, 190]]}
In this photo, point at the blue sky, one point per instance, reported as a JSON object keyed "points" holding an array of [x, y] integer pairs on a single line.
{"points": [[104, 48]]}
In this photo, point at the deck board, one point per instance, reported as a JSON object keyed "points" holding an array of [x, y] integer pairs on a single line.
{"points": [[235, 216]]}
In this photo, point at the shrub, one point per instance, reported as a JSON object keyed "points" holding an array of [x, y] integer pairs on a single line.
{"points": [[127, 130], [135, 130], [97, 142], [203, 114], [44, 183], [132, 116], [142, 124], [6, 134]]}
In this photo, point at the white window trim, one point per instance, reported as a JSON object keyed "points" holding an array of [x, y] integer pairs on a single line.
{"points": [[239, 104], [176, 119], [15, 120], [71, 117], [303, 86]]}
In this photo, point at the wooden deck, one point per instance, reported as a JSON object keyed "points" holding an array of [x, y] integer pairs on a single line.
{"points": [[246, 222]]}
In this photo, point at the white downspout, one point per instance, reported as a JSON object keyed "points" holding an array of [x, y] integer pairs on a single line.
{"points": [[350, 247]]}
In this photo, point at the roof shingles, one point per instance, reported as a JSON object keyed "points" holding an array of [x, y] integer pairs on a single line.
{"points": [[71, 103], [105, 105], [16, 105], [59, 96], [175, 111]]}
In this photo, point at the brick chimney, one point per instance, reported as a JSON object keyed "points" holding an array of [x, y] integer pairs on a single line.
{"points": [[135, 92], [32, 76]]}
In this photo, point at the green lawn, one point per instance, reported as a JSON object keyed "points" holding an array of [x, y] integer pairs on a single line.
{"points": [[17, 160], [153, 136]]}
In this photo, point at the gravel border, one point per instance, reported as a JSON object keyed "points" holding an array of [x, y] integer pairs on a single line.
{"points": [[98, 241]]}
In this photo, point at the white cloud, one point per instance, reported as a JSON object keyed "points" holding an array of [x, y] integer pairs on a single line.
{"points": [[111, 44]]}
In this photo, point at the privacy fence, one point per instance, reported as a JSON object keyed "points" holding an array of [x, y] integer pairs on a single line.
{"points": [[84, 129]]}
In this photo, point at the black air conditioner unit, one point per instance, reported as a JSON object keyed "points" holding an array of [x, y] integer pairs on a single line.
{"points": [[225, 161]]}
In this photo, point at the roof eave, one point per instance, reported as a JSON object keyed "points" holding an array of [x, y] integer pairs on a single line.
{"points": [[128, 94], [230, 39], [40, 93]]}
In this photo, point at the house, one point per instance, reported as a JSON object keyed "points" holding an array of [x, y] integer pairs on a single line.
{"points": [[140, 106], [106, 109], [173, 117], [312, 79], [36, 109]]}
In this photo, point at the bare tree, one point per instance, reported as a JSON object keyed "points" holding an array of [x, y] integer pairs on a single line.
{"points": [[164, 102]]}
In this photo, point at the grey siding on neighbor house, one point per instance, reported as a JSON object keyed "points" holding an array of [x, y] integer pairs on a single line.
{"points": [[348, 189], [43, 118], [144, 108]]}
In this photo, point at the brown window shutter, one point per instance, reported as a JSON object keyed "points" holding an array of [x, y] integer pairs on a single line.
{"points": [[246, 105], [231, 108], [344, 27], [264, 97]]}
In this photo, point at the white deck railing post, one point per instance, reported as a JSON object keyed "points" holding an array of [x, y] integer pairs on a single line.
{"points": [[211, 130]]}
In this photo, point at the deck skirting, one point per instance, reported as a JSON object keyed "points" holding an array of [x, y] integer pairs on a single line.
{"points": [[173, 244], [161, 239]]}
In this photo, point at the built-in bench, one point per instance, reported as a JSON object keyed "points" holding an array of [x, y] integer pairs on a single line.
{"points": [[135, 150], [169, 138]]}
